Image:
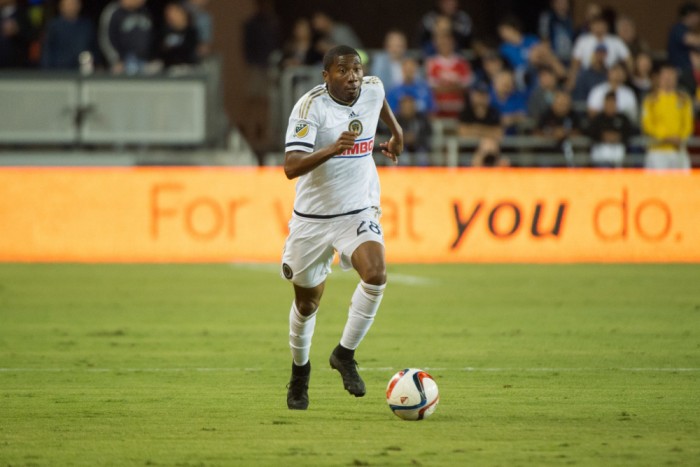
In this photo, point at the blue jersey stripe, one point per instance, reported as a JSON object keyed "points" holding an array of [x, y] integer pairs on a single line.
{"points": [[353, 157]]}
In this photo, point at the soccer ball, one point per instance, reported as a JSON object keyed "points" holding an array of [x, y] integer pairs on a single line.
{"points": [[412, 394]]}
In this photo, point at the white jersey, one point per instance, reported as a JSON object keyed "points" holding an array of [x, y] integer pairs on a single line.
{"points": [[347, 183]]}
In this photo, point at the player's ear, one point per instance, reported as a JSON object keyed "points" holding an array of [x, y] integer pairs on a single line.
{"points": [[324, 73]]}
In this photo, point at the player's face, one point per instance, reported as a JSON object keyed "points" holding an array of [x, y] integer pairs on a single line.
{"points": [[344, 77]]}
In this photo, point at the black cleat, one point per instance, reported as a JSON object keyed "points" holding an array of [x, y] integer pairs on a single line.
{"points": [[298, 387], [348, 370]]}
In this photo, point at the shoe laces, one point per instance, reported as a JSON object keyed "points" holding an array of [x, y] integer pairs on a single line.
{"points": [[350, 366], [297, 385]]}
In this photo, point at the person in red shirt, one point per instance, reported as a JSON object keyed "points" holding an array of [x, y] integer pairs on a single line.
{"points": [[449, 74]]}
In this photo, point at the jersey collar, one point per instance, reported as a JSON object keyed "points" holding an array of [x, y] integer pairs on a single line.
{"points": [[344, 104]]}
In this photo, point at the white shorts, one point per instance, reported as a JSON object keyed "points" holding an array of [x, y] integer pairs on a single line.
{"points": [[311, 245]]}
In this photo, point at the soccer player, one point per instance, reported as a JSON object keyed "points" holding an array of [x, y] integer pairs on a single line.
{"points": [[329, 147]]}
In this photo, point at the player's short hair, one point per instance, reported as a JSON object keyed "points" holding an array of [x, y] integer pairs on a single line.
{"points": [[337, 51]]}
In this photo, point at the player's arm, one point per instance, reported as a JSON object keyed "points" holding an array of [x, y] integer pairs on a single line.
{"points": [[392, 148], [298, 163]]}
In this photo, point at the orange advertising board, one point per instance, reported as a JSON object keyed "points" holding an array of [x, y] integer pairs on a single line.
{"points": [[429, 215]]}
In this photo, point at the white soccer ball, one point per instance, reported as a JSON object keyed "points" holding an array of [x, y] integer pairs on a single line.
{"points": [[412, 394]]}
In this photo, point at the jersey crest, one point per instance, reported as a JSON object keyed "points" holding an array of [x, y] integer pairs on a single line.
{"points": [[355, 127]]}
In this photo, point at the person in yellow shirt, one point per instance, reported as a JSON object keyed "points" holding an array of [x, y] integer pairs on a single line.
{"points": [[667, 117]]}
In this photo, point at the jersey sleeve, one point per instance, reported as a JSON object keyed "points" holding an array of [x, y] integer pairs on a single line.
{"points": [[374, 85], [303, 126]]}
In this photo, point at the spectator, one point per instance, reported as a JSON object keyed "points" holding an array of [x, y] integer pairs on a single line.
{"points": [[261, 35], [388, 64], [695, 60], [668, 119], [642, 75], [126, 35], [542, 56], [590, 77], [67, 36], [261, 38], [516, 47], [610, 132], [178, 45], [202, 21], [298, 50], [479, 118], [328, 33], [557, 28], [460, 24], [416, 131], [449, 74], [488, 154], [592, 12], [626, 99], [559, 121], [16, 33], [510, 102], [413, 85], [683, 39], [585, 46], [626, 29], [542, 95], [492, 65]]}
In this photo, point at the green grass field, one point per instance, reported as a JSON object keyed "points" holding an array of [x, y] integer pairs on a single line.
{"points": [[187, 365]]}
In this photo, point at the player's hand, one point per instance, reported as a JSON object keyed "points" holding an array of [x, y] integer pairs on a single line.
{"points": [[345, 141], [392, 148]]}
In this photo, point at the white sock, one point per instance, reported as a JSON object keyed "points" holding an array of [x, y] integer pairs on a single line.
{"points": [[363, 308], [301, 330]]}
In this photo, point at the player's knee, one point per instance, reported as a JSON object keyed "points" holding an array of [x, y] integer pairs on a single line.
{"points": [[307, 307], [375, 275]]}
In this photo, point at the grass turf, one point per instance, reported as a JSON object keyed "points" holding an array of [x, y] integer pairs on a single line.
{"points": [[187, 365]]}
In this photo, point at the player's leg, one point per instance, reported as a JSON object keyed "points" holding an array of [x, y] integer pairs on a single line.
{"points": [[302, 321], [368, 260], [361, 247], [306, 263]]}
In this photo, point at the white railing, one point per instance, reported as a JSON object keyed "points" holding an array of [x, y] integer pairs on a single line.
{"points": [[183, 109]]}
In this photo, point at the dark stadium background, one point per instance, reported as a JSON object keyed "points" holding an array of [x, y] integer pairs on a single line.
{"points": [[372, 18], [365, 17]]}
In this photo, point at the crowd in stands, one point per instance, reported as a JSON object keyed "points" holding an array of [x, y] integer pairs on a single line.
{"points": [[598, 79], [126, 39]]}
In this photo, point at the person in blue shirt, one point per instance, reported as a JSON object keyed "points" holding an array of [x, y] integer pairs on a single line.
{"points": [[511, 103], [515, 47], [682, 41], [414, 86], [590, 77], [67, 36], [556, 26]]}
